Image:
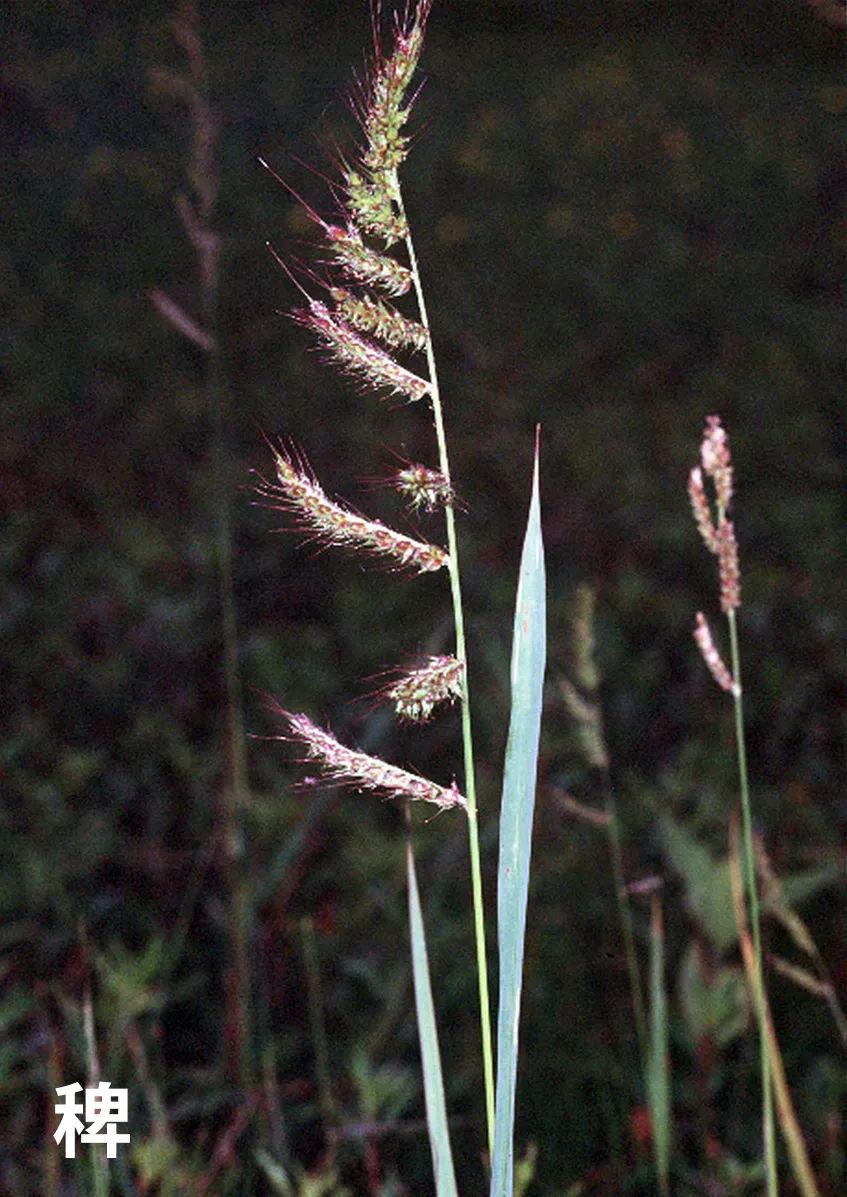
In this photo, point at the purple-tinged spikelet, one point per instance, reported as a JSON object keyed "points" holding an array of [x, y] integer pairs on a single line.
{"points": [[730, 574], [364, 265], [701, 511], [345, 766], [379, 319], [422, 487], [716, 460], [332, 523], [373, 209], [710, 654], [384, 112], [359, 356], [418, 691]]}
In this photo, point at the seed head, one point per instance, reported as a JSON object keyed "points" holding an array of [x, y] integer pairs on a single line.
{"points": [[358, 356], [372, 207], [417, 692], [379, 319], [297, 491], [730, 575], [364, 265], [710, 654], [384, 113], [701, 511], [423, 488], [716, 460], [345, 766]]}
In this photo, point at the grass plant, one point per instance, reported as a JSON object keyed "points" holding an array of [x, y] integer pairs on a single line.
{"points": [[361, 334], [718, 534]]}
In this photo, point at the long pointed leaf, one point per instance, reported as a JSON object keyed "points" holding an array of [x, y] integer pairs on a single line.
{"points": [[436, 1110], [519, 780]]}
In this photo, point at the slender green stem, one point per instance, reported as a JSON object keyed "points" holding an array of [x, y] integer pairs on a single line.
{"points": [[625, 916], [317, 1021], [235, 781], [753, 900], [467, 738]]}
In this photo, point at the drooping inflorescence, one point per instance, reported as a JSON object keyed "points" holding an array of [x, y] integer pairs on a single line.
{"points": [[346, 766], [362, 333], [358, 356], [416, 692], [718, 535], [332, 523]]}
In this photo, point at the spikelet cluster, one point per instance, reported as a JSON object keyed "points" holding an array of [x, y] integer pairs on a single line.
{"points": [[379, 319], [360, 357], [418, 691], [710, 654], [332, 523], [361, 333], [346, 766], [718, 535], [423, 489]]}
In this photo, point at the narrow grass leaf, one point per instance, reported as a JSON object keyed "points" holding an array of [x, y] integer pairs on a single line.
{"points": [[519, 780], [658, 1069], [436, 1110]]}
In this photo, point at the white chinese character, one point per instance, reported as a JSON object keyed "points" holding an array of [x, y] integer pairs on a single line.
{"points": [[104, 1107], [69, 1124]]}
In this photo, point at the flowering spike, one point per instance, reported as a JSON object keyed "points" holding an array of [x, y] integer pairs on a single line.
{"points": [[379, 319], [365, 265], [710, 654], [418, 691], [332, 523], [716, 460], [384, 114], [730, 574], [373, 208], [423, 487], [360, 357], [345, 766], [701, 511]]}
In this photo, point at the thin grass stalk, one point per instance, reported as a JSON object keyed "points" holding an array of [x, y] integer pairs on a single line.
{"points": [[326, 1097], [755, 922], [99, 1162], [461, 655], [792, 1134], [658, 1070], [197, 215], [613, 832]]}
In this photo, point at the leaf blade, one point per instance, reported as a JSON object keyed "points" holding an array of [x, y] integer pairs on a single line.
{"points": [[436, 1109], [516, 815]]}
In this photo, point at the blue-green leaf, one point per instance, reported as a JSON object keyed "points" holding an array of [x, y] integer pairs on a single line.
{"points": [[519, 780], [436, 1110]]}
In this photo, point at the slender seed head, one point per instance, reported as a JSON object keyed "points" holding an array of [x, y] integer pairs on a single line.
{"points": [[364, 265], [345, 766], [716, 460], [358, 356], [710, 654], [730, 574], [417, 692], [379, 319], [328, 522], [385, 111], [701, 511]]}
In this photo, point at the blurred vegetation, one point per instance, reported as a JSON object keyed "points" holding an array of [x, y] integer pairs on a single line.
{"points": [[627, 217]]}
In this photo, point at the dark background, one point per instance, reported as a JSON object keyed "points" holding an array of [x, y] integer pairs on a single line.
{"points": [[628, 216]]}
